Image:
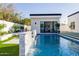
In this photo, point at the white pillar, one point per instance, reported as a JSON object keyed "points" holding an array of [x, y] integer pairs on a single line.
{"points": [[22, 44]]}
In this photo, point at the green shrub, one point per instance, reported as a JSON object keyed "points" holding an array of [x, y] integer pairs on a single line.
{"points": [[2, 33], [2, 26]]}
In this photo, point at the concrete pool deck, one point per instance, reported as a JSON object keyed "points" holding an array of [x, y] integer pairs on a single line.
{"points": [[71, 34]]}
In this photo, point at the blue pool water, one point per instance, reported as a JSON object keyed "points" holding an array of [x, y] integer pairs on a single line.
{"points": [[54, 45]]}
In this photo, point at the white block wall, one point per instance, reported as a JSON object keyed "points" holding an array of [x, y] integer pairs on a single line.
{"points": [[8, 25]]}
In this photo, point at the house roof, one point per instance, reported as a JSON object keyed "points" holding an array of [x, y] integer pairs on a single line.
{"points": [[46, 14], [73, 13]]}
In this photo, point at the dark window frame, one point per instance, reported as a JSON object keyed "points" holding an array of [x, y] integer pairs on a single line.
{"points": [[72, 25]]}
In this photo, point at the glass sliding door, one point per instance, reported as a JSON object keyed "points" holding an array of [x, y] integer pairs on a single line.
{"points": [[49, 27], [53, 30], [55, 27], [42, 26]]}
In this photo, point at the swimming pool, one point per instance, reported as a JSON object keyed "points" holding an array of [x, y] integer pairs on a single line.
{"points": [[54, 45]]}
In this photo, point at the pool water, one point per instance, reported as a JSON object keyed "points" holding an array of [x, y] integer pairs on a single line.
{"points": [[54, 45]]}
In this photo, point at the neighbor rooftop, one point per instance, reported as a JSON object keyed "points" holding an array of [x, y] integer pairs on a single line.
{"points": [[73, 13]]}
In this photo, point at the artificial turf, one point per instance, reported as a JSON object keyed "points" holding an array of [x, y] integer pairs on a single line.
{"points": [[9, 49]]}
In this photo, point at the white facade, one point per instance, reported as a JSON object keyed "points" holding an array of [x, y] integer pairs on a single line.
{"points": [[74, 18], [64, 28], [37, 18]]}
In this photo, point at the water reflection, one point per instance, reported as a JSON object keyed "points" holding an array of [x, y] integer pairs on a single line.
{"points": [[68, 48], [54, 45], [74, 47], [47, 44]]}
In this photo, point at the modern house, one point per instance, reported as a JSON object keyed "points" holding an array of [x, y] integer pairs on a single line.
{"points": [[45, 23], [73, 22]]}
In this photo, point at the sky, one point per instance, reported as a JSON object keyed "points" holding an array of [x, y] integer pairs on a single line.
{"points": [[64, 8]]}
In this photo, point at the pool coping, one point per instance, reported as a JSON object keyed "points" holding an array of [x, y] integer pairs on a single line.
{"points": [[70, 38]]}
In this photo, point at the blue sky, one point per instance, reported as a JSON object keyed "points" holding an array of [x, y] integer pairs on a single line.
{"points": [[64, 8]]}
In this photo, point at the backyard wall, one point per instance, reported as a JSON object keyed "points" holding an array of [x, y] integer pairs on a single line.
{"points": [[8, 25]]}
